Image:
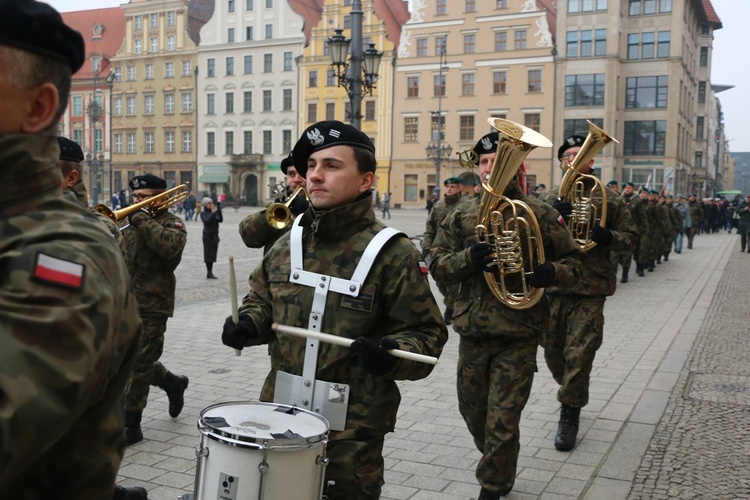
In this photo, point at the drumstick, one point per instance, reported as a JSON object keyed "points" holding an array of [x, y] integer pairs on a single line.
{"points": [[345, 342], [233, 297]]}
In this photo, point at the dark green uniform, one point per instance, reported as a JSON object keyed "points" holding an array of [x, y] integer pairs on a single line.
{"points": [[639, 214], [79, 191], [395, 301], [656, 235], [696, 219], [668, 230], [497, 350], [69, 334], [437, 214]]}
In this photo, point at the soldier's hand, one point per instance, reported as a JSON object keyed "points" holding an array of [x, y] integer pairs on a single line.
{"points": [[425, 253], [138, 216], [237, 335], [374, 357], [298, 205], [565, 208], [602, 236], [544, 275], [481, 255]]}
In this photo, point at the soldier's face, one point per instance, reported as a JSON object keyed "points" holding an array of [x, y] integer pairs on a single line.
{"points": [[333, 178], [485, 165], [451, 189], [628, 190], [293, 179]]}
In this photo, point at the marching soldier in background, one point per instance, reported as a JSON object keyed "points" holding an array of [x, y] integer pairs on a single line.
{"points": [[452, 198], [576, 327], [639, 208], [624, 257], [668, 229], [155, 244], [70, 329], [678, 221], [655, 237], [613, 186], [394, 309], [696, 218], [498, 344]]}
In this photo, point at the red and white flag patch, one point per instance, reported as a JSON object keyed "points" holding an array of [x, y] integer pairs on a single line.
{"points": [[58, 271], [560, 220], [178, 225], [423, 267]]}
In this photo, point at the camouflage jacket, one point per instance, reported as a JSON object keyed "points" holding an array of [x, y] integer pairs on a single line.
{"points": [[438, 212], [256, 232], [666, 220], [79, 191], [696, 212], [155, 246], [599, 276], [69, 334], [477, 312], [675, 215], [639, 213], [395, 301]]}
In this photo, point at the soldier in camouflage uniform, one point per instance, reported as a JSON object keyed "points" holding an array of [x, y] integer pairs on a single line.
{"points": [[451, 199], [658, 229], [669, 226], [696, 218], [576, 327], [70, 328], [639, 214], [393, 309], [624, 257], [678, 221], [155, 245], [498, 346]]}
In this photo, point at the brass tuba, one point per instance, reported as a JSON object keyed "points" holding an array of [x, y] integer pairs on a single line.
{"points": [[585, 192], [278, 215], [153, 205], [510, 226]]}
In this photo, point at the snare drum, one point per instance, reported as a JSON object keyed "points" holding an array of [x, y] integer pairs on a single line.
{"points": [[253, 450]]}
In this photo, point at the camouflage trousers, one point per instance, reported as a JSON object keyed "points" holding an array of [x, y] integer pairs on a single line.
{"points": [[624, 258], [449, 293], [148, 370], [494, 383], [355, 464], [690, 235], [668, 240], [570, 344]]}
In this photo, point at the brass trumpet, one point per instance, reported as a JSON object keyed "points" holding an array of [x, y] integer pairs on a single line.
{"points": [[278, 215], [510, 226], [153, 205], [585, 192]]}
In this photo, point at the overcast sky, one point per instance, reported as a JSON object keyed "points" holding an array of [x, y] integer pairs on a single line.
{"points": [[729, 67]]}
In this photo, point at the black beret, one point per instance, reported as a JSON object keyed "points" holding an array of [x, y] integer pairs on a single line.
{"points": [[693, 195], [571, 142], [612, 183], [146, 181], [653, 191], [323, 135], [286, 163], [453, 180], [69, 150], [38, 28], [542, 186], [487, 144], [630, 184]]}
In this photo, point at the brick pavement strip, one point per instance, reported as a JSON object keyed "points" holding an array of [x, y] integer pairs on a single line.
{"points": [[650, 326]]}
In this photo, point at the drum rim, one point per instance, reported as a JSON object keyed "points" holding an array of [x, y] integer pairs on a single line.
{"points": [[244, 441]]}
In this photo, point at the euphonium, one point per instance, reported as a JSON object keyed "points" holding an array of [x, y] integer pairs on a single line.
{"points": [[510, 226], [585, 192], [278, 215], [153, 205]]}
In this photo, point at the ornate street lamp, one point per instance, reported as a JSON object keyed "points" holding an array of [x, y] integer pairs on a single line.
{"points": [[438, 154], [359, 75]]}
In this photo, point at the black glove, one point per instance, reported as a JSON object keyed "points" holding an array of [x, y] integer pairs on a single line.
{"points": [[138, 216], [373, 357], [298, 205], [544, 275], [237, 335], [481, 255], [601, 236], [425, 253], [565, 208]]}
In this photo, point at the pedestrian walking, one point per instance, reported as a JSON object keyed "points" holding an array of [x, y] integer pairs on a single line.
{"points": [[743, 228], [211, 217], [189, 205], [386, 205]]}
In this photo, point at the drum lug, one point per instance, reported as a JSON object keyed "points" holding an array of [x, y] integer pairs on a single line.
{"points": [[322, 461], [201, 452]]}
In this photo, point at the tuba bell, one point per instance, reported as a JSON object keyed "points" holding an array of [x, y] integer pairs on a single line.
{"points": [[278, 215], [153, 205], [510, 226], [585, 192]]}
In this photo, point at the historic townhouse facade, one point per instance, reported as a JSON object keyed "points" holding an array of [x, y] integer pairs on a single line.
{"points": [[247, 108]]}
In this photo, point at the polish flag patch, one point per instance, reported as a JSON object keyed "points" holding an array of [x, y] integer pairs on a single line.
{"points": [[59, 272], [178, 225], [423, 267], [560, 220]]}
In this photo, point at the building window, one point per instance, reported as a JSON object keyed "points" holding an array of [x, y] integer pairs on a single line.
{"points": [[267, 142], [149, 72], [131, 142], [230, 66], [267, 63], [131, 73], [286, 100], [137, 22], [77, 105], [248, 33], [228, 142], [171, 18], [646, 92], [248, 70], [586, 43], [412, 86], [230, 5], [698, 159], [131, 105], [501, 4], [187, 141], [411, 187], [647, 45], [600, 42], [701, 92], [269, 4], [229, 102], [422, 47], [471, 6], [439, 86], [118, 73], [210, 143], [269, 31], [247, 142], [501, 41], [118, 143], [633, 46], [267, 101], [169, 70], [288, 61], [437, 127], [704, 56], [576, 6], [78, 136], [499, 81], [584, 90], [312, 78], [470, 44], [370, 110], [230, 35], [312, 112], [169, 103], [187, 102], [466, 128], [535, 81], [662, 46], [467, 84], [330, 111], [648, 7], [211, 67], [98, 139], [330, 78], [154, 44], [347, 22], [186, 68], [148, 103], [154, 20], [286, 141], [532, 121], [441, 7], [169, 142], [118, 106], [441, 45], [137, 45], [249, 4], [411, 129], [699, 126], [580, 127], [149, 138], [519, 38], [247, 101], [645, 138]]}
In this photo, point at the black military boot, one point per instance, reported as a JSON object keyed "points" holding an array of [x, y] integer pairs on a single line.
{"points": [[485, 494], [651, 266], [132, 493], [658, 260], [448, 316], [666, 257], [639, 270], [567, 430], [625, 271], [133, 433], [175, 386]]}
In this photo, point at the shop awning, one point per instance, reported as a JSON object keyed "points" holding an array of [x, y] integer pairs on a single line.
{"points": [[215, 174]]}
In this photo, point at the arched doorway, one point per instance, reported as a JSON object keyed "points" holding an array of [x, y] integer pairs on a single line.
{"points": [[250, 190]]}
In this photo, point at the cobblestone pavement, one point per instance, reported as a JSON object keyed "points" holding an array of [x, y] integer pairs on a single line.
{"points": [[640, 373]]}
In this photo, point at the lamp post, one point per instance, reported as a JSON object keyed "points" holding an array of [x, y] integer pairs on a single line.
{"points": [[96, 162], [435, 151], [362, 65]]}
